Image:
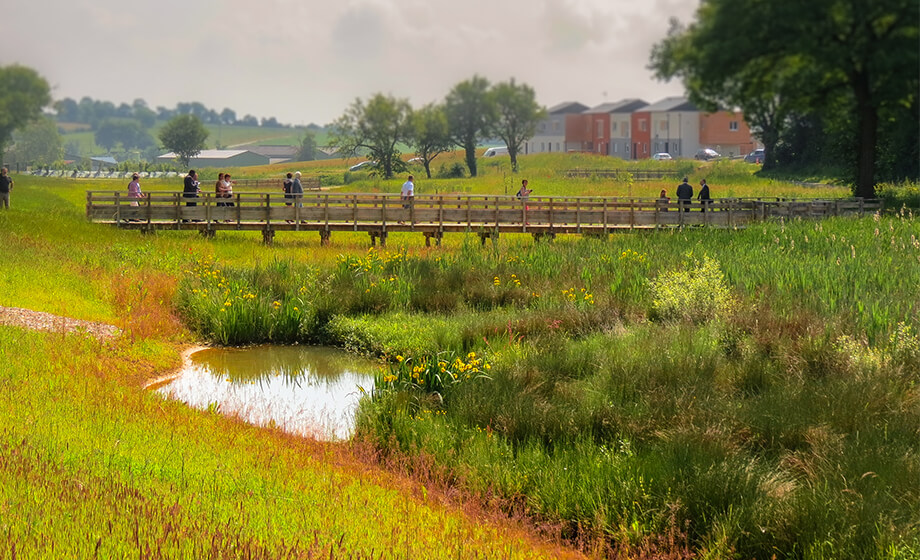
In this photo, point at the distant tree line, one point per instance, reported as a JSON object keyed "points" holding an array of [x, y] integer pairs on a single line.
{"points": [[95, 112]]}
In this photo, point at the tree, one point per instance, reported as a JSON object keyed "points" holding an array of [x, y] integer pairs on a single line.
{"points": [[228, 116], [23, 95], [67, 110], [39, 143], [865, 50], [307, 150], [185, 136], [429, 135], [517, 114], [377, 127], [470, 113]]}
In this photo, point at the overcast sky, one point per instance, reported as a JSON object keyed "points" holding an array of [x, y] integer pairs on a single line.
{"points": [[305, 61]]}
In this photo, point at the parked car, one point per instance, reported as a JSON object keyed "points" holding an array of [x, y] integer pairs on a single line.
{"points": [[706, 154], [662, 156], [362, 165], [496, 151], [757, 156]]}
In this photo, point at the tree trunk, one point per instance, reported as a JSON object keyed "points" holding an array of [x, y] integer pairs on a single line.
{"points": [[471, 158], [513, 154], [867, 118], [428, 168], [770, 137]]}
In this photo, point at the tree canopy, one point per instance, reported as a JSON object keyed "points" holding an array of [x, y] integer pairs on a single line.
{"points": [[517, 114], [429, 134], [376, 127], [185, 136], [846, 62], [39, 143], [470, 114], [23, 95]]}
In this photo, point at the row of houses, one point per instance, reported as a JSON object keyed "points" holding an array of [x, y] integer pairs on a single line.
{"points": [[634, 129]]}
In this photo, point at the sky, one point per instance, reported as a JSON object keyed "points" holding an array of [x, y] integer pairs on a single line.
{"points": [[305, 61]]}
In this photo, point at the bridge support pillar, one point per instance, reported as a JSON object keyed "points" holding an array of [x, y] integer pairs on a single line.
{"points": [[437, 235], [600, 236], [324, 236], [547, 236], [491, 234], [208, 233], [382, 235], [268, 236]]}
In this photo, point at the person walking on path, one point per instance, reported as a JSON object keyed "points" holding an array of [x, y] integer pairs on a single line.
{"points": [[6, 185], [684, 195], [704, 197]]}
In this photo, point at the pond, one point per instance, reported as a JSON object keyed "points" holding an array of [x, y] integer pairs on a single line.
{"points": [[304, 390]]}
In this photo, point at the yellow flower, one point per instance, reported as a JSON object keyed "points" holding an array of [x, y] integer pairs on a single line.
{"points": [[399, 358]]}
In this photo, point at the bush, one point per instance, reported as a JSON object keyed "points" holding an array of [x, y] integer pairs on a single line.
{"points": [[696, 294], [454, 171]]}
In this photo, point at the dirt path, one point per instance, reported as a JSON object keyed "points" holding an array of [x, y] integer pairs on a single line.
{"points": [[39, 320]]}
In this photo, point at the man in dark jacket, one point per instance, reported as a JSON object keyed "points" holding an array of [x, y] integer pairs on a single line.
{"points": [[6, 185], [191, 189], [684, 195]]}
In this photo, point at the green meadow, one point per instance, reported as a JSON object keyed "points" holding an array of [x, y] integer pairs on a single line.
{"points": [[678, 394]]}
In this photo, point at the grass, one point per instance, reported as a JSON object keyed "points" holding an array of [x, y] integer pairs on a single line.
{"points": [[617, 411]]}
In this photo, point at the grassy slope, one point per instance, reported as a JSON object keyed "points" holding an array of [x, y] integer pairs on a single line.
{"points": [[91, 463]]}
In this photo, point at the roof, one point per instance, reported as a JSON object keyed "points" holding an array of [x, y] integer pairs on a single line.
{"points": [[273, 151], [104, 159], [566, 107], [621, 106], [209, 154], [669, 104]]}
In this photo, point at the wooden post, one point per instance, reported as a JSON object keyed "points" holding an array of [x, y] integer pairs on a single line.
{"points": [[117, 207]]}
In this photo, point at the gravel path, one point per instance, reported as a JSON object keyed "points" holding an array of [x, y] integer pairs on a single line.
{"points": [[39, 320]]}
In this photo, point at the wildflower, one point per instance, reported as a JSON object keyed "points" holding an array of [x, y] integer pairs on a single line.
{"points": [[399, 358]]}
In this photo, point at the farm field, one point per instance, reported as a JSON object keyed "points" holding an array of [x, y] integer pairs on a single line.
{"points": [[697, 393]]}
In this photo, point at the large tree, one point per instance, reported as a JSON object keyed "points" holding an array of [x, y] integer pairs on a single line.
{"points": [[470, 114], [185, 136], [375, 127], [817, 50], [517, 115], [23, 95], [430, 135], [39, 143]]}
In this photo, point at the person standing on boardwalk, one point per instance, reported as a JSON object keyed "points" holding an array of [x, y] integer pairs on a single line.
{"points": [[524, 193], [191, 189], [297, 189], [407, 193], [219, 189], [704, 197], [684, 195], [134, 189], [6, 185], [663, 200], [286, 186]]}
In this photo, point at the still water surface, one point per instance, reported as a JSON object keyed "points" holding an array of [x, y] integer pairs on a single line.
{"points": [[305, 390]]}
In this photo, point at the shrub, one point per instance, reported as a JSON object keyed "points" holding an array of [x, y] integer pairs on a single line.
{"points": [[697, 293]]}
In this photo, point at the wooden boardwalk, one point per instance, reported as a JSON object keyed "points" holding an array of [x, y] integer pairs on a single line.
{"points": [[435, 215]]}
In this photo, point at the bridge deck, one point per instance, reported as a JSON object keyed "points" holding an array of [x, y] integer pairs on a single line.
{"points": [[434, 215]]}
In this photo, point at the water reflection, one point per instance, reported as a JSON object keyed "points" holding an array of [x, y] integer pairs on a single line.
{"points": [[305, 390]]}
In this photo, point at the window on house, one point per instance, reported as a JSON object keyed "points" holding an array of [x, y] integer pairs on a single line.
{"points": [[663, 125], [615, 150], [600, 129], [733, 126], [625, 130], [556, 126], [613, 127], [542, 146], [557, 146], [642, 125]]}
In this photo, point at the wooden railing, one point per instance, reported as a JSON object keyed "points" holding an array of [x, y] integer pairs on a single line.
{"points": [[434, 215]]}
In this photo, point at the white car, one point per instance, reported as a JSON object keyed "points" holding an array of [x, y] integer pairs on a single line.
{"points": [[662, 156]]}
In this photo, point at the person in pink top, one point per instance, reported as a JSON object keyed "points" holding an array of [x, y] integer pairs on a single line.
{"points": [[134, 189]]}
